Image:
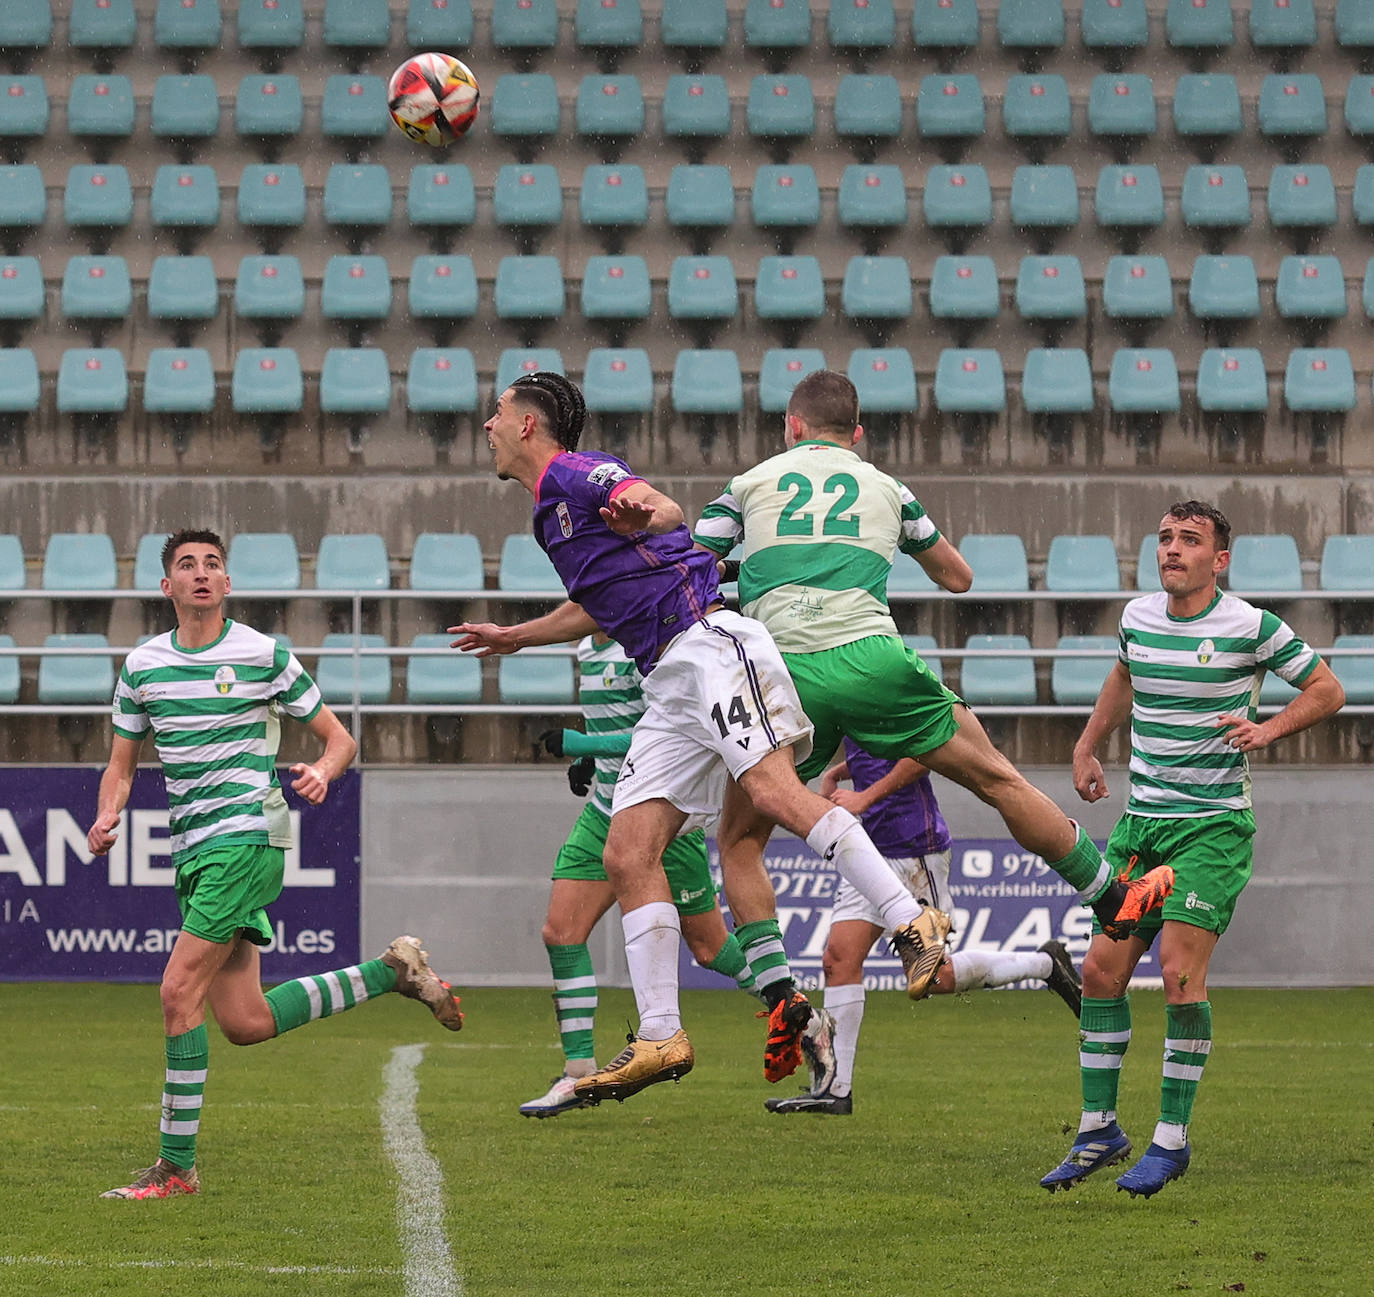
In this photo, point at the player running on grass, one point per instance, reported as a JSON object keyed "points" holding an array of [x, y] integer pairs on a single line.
{"points": [[1188, 677], [819, 528], [610, 691], [897, 804], [719, 701], [211, 693]]}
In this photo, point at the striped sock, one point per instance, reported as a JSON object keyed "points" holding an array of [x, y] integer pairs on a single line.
{"points": [[322, 995], [1105, 1030], [1187, 1044], [730, 962], [1085, 869], [574, 998], [188, 1057], [761, 943]]}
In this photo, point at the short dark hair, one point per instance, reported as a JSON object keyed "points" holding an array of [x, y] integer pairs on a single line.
{"points": [[826, 399], [1186, 509], [189, 536], [558, 400]]}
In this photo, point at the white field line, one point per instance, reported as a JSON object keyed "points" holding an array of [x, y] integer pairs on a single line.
{"points": [[429, 1268], [68, 1263]]}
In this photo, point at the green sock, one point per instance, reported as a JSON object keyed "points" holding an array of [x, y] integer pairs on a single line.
{"points": [[574, 998], [1084, 869], [1187, 1043], [1105, 1034], [730, 962], [188, 1057], [322, 995], [761, 943]]}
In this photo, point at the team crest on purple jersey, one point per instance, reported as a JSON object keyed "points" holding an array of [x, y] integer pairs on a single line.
{"points": [[564, 518]]}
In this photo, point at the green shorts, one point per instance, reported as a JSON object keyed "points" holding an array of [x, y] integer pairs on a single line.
{"points": [[685, 862], [224, 891], [876, 691], [1211, 856]]}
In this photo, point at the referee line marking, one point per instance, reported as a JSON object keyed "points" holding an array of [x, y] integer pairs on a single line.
{"points": [[429, 1270]]}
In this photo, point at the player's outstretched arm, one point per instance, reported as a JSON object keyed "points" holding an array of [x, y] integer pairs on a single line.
{"points": [[566, 622], [313, 778], [1321, 695], [639, 507], [115, 784], [947, 567], [1111, 710]]}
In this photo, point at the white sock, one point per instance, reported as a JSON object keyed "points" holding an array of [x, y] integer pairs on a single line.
{"points": [[652, 934], [838, 836], [1170, 1134], [976, 968], [1091, 1121], [846, 1005]]}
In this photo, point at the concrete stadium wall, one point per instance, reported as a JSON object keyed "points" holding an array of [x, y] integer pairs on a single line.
{"points": [[464, 855]]}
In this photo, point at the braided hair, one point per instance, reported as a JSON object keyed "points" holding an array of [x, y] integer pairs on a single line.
{"points": [[558, 400]]}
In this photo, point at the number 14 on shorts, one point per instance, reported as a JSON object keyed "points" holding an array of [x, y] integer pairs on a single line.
{"points": [[734, 717]]}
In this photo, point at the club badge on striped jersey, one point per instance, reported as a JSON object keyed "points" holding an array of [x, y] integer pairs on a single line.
{"points": [[224, 679], [1205, 652]]}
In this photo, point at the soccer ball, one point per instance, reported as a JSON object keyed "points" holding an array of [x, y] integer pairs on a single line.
{"points": [[433, 98]]}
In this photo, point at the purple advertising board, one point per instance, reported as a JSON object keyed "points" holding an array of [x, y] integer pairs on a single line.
{"points": [[68, 916], [1003, 899]]}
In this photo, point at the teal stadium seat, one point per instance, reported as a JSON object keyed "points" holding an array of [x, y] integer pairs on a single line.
{"points": [[515, 361], [1121, 108], [1076, 682], [614, 199], [1292, 110], [924, 646], [353, 108], [950, 108], [785, 199], [355, 381], [997, 681], [1082, 564], [1367, 289], [12, 573], [1302, 199], [781, 369], [97, 200], [1143, 380], [707, 382], [271, 28], [777, 28], [861, 27], [1137, 289], [524, 568], [868, 110], [1310, 289], [441, 199], [21, 292], [970, 381], [696, 111], [352, 562], [957, 200], [1347, 563], [182, 291], [885, 379], [1284, 25], [185, 199], [1354, 25], [877, 293], [356, 24], [618, 380], [269, 108], [1224, 288], [1231, 380], [702, 288], [616, 290], [341, 678], [998, 562], [76, 680], [524, 110], [1116, 27], [529, 289], [1215, 200], [609, 110], [104, 26], [187, 26], [1204, 27], [964, 289], [79, 561], [148, 562], [267, 381], [1036, 111], [1359, 106], [24, 112], [1044, 199], [185, 108], [907, 576], [1032, 26], [357, 196], [1268, 564], [441, 381], [451, 679], [947, 26], [271, 200], [694, 27], [446, 561], [1207, 110], [1319, 380], [26, 28], [1129, 200], [608, 28], [527, 199], [1362, 197], [527, 681], [355, 289], [700, 200], [524, 26], [9, 668], [780, 109], [442, 290], [264, 560], [1356, 674], [178, 381], [1051, 289], [789, 290], [92, 381], [270, 291], [439, 24], [1147, 565], [100, 110], [1057, 381]]}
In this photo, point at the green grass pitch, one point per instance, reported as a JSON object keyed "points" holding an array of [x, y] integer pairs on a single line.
{"points": [[929, 1188]]}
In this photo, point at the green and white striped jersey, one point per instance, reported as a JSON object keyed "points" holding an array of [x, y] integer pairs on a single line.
{"points": [[610, 691], [1185, 672], [820, 528], [214, 716]]}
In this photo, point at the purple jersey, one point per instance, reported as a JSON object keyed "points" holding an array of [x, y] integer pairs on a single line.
{"points": [[905, 823], [642, 590]]}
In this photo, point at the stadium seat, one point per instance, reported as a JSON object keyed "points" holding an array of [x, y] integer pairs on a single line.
{"points": [[970, 381], [1356, 674], [1076, 682], [998, 562], [76, 679], [1143, 380], [702, 291], [614, 199], [1082, 564], [1036, 111], [450, 678], [1354, 25], [877, 293], [1207, 110], [340, 678], [1310, 290], [950, 109], [271, 28], [185, 199], [269, 110], [446, 561], [957, 200], [924, 646], [609, 112], [1137, 290], [357, 200], [608, 28], [1121, 109], [270, 291], [148, 562], [781, 369], [182, 291], [441, 383], [1115, 27], [618, 383], [179, 383], [777, 29], [355, 290], [964, 290], [271, 201], [1268, 564], [616, 290], [997, 681], [1231, 380], [1030, 26], [1057, 381], [9, 672], [861, 27], [352, 562], [1285, 26], [98, 200], [1224, 288], [24, 113], [868, 110], [525, 111], [1050, 290], [886, 382], [1367, 290], [1129, 201], [12, 573], [21, 294], [1292, 111], [185, 110], [707, 387], [79, 561], [1302, 201], [524, 568], [354, 109], [529, 290], [267, 381], [1044, 200], [264, 561], [92, 381], [527, 681], [102, 26], [355, 380], [1147, 565], [440, 24], [1362, 197], [1359, 107], [25, 29], [188, 27], [527, 199], [524, 27], [442, 291], [789, 291], [780, 110], [694, 27], [1215, 200], [1347, 563], [696, 110], [784, 200], [1319, 380], [100, 110], [356, 25], [442, 200], [700, 200], [515, 361], [947, 26], [1202, 27]]}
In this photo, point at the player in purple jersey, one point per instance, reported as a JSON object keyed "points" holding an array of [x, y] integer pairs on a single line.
{"points": [[720, 728], [897, 805]]}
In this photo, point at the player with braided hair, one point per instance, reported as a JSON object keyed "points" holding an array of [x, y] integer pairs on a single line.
{"points": [[721, 727]]}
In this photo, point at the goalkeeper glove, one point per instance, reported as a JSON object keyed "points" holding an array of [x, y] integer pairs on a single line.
{"points": [[552, 741], [580, 775]]}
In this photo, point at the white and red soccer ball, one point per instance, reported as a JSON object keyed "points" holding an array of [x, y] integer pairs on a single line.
{"points": [[433, 98]]}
